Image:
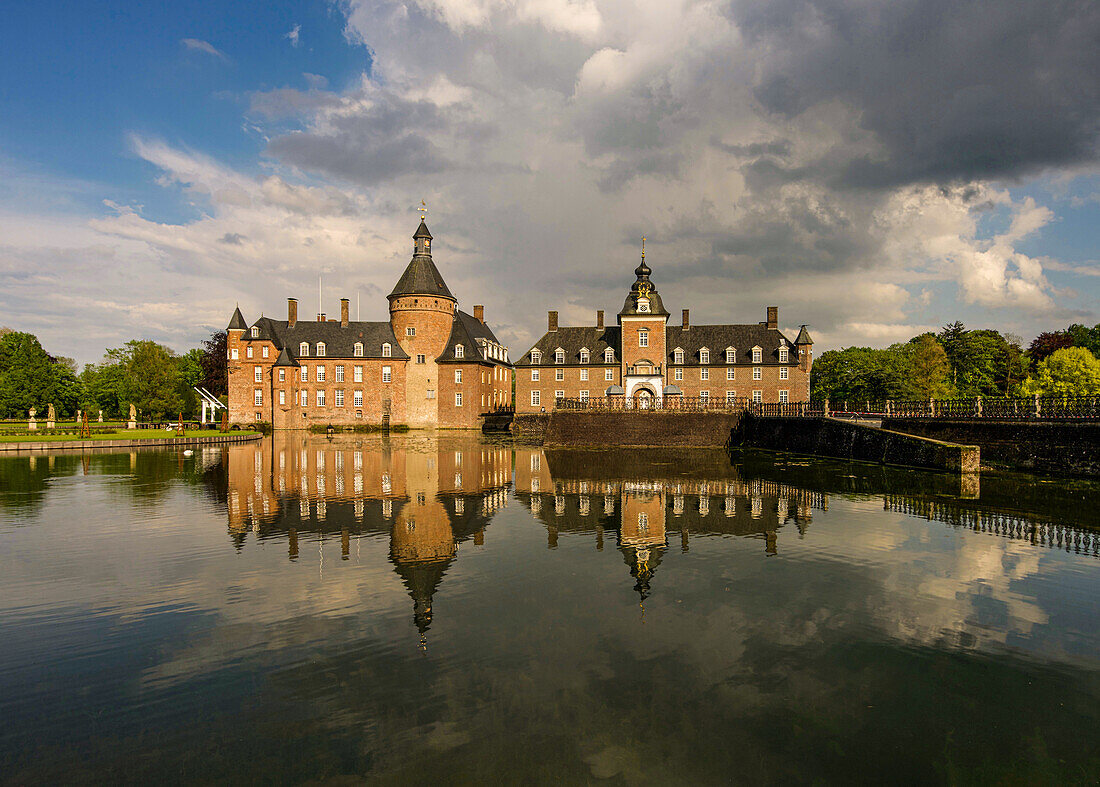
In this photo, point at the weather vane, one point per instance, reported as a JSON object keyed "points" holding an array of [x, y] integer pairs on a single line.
{"points": [[643, 247], [423, 209]]}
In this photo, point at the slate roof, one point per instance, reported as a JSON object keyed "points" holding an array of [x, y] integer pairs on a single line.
{"points": [[803, 337], [466, 330], [641, 285], [422, 231], [339, 341], [284, 359], [716, 338], [572, 340], [236, 322]]}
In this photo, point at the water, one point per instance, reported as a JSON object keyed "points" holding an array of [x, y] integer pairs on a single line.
{"points": [[439, 609]]}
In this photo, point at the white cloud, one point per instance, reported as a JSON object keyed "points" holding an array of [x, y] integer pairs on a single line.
{"points": [[198, 45], [294, 35]]}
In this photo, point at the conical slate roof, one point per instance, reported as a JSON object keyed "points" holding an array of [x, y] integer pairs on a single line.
{"points": [[803, 337], [284, 359], [421, 277], [236, 322]]}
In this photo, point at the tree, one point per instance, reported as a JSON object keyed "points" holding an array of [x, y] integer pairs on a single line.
{"points": [[1048, 342], [860, 374], [26, 375], [1071, 371], [142, 373], [215, 374], [928, 369], [1089, 338]]}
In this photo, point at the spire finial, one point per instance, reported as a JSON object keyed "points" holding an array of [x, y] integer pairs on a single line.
{"points": [[423, 209], [643, 247]]}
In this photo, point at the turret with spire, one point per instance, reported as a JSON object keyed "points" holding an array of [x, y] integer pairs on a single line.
{"points": [[643, 298]]}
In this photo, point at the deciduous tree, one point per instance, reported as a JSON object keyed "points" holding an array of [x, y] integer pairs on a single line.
{"points": [[1072, 371]]}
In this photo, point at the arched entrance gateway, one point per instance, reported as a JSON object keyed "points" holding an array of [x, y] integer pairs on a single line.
{"points": [[643, 397]]}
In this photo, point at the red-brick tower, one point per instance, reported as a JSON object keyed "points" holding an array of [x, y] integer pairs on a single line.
{"points": [[642, 320]]}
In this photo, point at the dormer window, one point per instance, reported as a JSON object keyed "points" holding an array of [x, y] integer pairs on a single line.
{"points": [[704, 355], [303, 350], [783, 356], [320, 349], [536, 356], [757, 355], [255, 332], [584, 355], [357, 350], [677, 355], [731, 355], [460, 351], [609, 355], [559, 355]]}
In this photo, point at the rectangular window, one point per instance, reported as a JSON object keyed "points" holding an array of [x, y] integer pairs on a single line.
{"points": [[340, 374], [729, 373], [410, 331], [704, 374], [731, 395], [305, 398], [429, 394], [678, 356], [387, 374], [258, 397], [357, 398], [458, 376], [643, 338], [305, 374], [758, 396], [282, 397], [609, 374], [248, 351], [264, 351], [559, 374], [704, 395], [535, 398], [339, 397], [320, 398], [320, 374], [756, 355], [678, 374], [704, 356], [608, 356], [559, 394], [584, 356], [458, 399], [584, 396], [782, 372], [357, 374], [783, 355], [282, 375], [584, 375], [258, 373], [756, 373], [729, 356], [420, 359], [783, 395], [534, 375], [233, 354]]}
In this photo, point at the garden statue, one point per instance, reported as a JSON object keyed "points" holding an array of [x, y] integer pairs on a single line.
{"points": [[32, 424], [51, 417], [101, 416], [132, 424]]}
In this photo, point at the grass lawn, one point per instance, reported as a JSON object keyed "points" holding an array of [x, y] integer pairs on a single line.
{"points": [[122, 434]]}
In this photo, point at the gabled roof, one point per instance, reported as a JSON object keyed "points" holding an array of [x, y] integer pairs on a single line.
{"points": [[236, 322], [339, 341], [571, 340], [740, 337], [466, 330], [803, 337]]}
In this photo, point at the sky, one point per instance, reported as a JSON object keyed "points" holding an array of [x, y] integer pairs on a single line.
{"points": [[875, 168]]}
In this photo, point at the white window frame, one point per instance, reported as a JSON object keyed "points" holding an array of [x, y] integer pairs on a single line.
{"points": [[704, 355], [458, 377], [704, 373], [339, 373], [559, 355], [758, 396], [677, 355], [282, 397], [757, 373], [303, 350], [757, 355], [783, 374], [609, 375], [559, 375], [731, 355], [584, 375], [319, 398], [583, 395], [233, 354], [263, 351], [258, 397], [248, 351], [258, 374], [460, 351], [357, 350], [678, 374], [338, 398], [458, 398], [559, 394], [585, 356], [536, 356], [305, 398], [534, 375], [420, 358], [321, 349], [320, 374], [357, 374], [305, 374], [536, 398], [410, 331], [255, 332], [282, 375], [357, 399], [784, 355], [730, 373], [387, 374], [643, 337], [731, 396], [784, 396], [704, 395], [609, 355]]}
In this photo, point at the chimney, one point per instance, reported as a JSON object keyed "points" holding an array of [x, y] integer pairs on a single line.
{"points": [[345, 305], [291, 311], [599, 318], [479, 313], [687, 321], [773, 317], [321, 317], [551, 321]]}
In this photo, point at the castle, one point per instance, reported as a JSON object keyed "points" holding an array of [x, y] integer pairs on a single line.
{"points": [[648, 360], [429, 365]]}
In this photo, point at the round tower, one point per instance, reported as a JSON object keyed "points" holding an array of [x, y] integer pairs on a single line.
{"points": [[422, 313]]}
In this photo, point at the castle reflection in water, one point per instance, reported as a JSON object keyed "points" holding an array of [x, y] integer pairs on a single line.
{"points": [[427, 494]]}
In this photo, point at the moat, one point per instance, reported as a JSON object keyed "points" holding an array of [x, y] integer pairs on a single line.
{"points": [[441, 608]]}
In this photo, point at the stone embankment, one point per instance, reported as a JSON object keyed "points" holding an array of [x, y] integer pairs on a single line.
{"points": [[658, 428], [156, 442]]}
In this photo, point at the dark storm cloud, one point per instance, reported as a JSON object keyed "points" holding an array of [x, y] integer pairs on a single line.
{"points": [[952, 89]]}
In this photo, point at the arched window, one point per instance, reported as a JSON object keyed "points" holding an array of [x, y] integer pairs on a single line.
{"points": [[460, 351], [303, 349], [320, 349], [677, 355], [536, 356], [255, 332], [357, 350]]}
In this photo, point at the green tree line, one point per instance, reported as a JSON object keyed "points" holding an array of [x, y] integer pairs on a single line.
{"points": [[154, 378], [961, 363]]}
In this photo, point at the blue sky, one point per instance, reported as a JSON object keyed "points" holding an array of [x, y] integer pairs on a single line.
{"points": [[875, 174]]}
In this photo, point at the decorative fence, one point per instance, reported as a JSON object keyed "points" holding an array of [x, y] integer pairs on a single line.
{"points": [[1021, 408]]}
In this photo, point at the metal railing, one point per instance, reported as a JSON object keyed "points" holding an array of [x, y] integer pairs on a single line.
{"points": [[668, 403], [1011, 408]]}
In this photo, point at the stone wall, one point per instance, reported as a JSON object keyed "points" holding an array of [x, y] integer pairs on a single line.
{"points": [[1060, 447], [844, 440], [639, 428]]}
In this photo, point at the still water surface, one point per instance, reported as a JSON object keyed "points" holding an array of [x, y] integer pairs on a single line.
{"points": [[446, 608]]}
